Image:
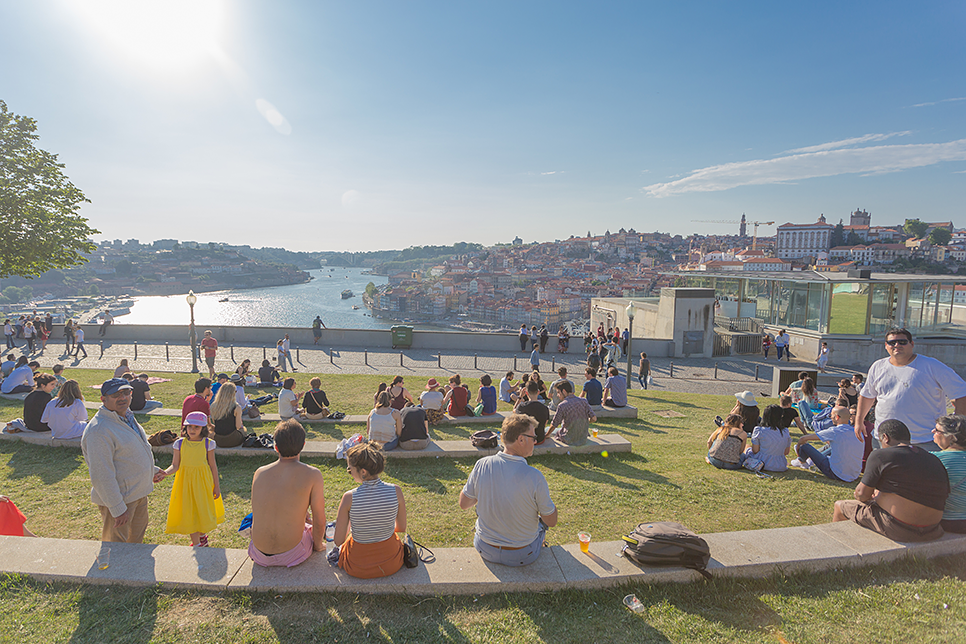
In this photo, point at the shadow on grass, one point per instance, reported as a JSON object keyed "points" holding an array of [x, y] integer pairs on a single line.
{"points": [[123, 617], [600, 469], [429, 474], [37, 460]]}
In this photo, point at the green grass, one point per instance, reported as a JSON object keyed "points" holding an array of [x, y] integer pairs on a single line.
{"points": [[922, 601], [665, 477]]}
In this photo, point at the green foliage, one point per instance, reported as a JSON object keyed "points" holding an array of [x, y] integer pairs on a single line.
{"points": [[940, 236], [853, 239], [39, 206], [15, 295], [92, 290], [371, 289], [915, 228], [838, 236]]}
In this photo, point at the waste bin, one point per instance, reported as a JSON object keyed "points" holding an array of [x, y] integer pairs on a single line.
{"points": [[782, 377], [402, 336]]}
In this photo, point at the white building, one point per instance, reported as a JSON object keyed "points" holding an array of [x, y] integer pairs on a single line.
{"points": [[794, 241]]}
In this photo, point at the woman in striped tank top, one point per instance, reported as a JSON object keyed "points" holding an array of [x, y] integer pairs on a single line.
{"points": [[369, 518]]}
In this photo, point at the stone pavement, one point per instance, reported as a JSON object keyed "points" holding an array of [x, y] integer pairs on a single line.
{"points": [[722, 376], [461, 571]]}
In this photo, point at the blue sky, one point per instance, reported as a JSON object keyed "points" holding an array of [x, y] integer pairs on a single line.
{"points": [[370, 125]]}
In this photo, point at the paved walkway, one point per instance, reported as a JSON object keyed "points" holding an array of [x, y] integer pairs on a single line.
{"points": [[722, 376], [461, 571]]}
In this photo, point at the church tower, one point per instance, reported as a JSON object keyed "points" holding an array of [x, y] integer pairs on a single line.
{"points": [[743, 229]]}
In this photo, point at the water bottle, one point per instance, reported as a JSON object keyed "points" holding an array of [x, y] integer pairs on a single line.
{"points": [[329, 536]]}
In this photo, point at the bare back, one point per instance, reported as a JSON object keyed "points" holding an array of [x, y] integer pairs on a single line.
{"points": [[282, 493]]}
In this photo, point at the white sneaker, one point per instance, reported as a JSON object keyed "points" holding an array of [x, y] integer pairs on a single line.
{"points": [[797, 463]]}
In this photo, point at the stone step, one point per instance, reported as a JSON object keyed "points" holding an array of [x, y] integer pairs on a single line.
{"points": [[461, 571], [326, 449]]}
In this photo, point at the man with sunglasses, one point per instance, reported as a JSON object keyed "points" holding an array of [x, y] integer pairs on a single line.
{"points": [[911, 388], [512, 499]]}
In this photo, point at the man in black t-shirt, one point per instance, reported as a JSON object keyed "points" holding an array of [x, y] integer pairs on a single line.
{"points": [[790, 415], [415, 428], [903, 491], [535, 409], [141, 394]]}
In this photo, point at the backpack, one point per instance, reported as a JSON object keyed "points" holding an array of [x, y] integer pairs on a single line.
{"points": [[164, 437], [484, 439], [666, 543]]}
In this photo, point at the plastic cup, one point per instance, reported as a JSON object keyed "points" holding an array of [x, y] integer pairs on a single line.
{"points": [[633, 603], [584, 538], [593, 432], [103, 558]]}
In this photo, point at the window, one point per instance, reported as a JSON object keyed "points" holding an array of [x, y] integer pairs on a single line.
{"points": [[847, 312]]}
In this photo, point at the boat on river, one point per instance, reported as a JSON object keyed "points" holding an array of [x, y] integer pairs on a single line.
{"points": [[346, 294]]}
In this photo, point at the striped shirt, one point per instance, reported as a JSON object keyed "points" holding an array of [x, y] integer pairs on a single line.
{"points": [[372, 515], [954, 460]]}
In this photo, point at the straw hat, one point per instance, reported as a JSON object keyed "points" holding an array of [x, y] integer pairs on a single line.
{"points": [[747, 399]]}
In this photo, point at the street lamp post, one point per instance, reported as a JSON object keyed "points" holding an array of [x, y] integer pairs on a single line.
{"points": [[630, 338], [192, 300]]}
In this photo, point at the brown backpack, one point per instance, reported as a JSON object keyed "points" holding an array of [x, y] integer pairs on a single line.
{"points": [[164, 437]]}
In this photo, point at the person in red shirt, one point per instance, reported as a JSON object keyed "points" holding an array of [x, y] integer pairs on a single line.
{"points": [[210, 345], [12, 520], [199, 401]]}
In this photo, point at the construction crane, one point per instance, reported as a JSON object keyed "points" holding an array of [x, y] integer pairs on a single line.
{"points": [[754, 239]]}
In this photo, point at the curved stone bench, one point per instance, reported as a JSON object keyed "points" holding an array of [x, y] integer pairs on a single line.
{"points": [[436, 449], [461, 571]]}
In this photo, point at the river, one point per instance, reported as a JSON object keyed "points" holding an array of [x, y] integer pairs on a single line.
{"points": [[295, 305]]}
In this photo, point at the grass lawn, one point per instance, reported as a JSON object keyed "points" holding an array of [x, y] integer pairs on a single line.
{"points": [[665, 477]]}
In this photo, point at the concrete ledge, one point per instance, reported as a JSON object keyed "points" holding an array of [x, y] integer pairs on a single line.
{"points": [[461, 571], [326, 449]]}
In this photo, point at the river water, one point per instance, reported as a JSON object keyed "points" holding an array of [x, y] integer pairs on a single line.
{"points": [[295, 305]]}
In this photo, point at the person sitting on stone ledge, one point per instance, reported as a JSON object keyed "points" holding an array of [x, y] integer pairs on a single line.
{"points": [[512, 499], [615, 389], [369, 517], [36, 401], [903, 491], [383, 424], [572, 416], [431, 401], [456, 398], [487, 395], [507, 388], [286, 533], [12, 520], [288, 400], [950, 435], [66, 415], [21, 379], [530, 405], [315, 402]]}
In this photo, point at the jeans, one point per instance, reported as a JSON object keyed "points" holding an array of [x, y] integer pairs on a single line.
{"points": [[150, 404], [30, 344], [643, 381], [723, 465], [820, 459], [10, 344], [79, 348], [522, 557], [779, 349], [929, 447], [393, 444]]}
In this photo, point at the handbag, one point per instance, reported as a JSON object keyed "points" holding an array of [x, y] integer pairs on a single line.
{"points": [[485, 439], [413, 553]]}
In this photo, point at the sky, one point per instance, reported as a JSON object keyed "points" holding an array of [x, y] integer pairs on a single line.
{"points": [[363, 125]]}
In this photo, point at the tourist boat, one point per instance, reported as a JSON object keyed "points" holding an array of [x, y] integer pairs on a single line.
{"points": [[346, 294], [224, 299], [355, 307]]}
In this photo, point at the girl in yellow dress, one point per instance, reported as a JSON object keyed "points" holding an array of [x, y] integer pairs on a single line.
{"points": [[196, 506]]}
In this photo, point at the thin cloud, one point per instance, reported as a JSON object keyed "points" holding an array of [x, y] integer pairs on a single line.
{"points": [[827, 163], [945, 100], [846, 143]]}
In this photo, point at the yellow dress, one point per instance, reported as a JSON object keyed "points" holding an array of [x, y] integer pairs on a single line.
{"points": [[192, 508]]}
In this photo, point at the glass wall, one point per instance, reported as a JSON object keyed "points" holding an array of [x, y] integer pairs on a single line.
{"points": [[914, 306], [945, 309], [814, 319], [881, 314], [849, 307]]}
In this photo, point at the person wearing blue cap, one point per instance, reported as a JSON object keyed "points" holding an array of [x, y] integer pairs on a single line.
{"points": [[121, 465]]}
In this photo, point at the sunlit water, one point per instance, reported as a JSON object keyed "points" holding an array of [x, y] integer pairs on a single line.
{"points": [[285, 306]]}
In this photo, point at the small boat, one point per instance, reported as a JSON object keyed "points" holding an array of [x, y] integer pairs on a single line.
{"points": [[224, 299], [355, 307], [346, 294]]}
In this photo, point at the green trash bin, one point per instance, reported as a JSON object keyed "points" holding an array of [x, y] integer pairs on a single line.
{"points": [[402, 336]]}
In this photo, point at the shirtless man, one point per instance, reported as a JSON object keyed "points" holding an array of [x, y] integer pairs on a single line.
{"points": [[286, 533]]}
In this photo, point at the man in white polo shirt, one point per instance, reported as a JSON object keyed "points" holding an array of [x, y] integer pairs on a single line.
{"points": [[512, 499], [910, 388]]}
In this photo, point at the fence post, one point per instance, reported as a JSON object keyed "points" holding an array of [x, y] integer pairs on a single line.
{"points": [[756, 372], [135, 349], [672, 369], [232, 353], [264, 353], [102, 348], [331, 356], [716, 371], [553, 363], [400, 358], [514, 363], [439, 360], [475, 356], [167, 351], [298, 355], [366, 354]]}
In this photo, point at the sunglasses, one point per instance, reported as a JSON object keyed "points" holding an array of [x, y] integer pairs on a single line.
{"points": [[900, 341]]}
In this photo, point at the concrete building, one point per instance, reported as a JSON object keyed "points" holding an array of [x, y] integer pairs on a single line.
{"points": [[795, 241]]}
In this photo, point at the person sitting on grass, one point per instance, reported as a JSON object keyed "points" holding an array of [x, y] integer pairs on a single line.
{"points": [[769, 443], [431, 401], [507, 388], [950, 435], [842, 459], [615, 389], [314, 402], [122, 368], [369, 517], [12, 520], [58, 370], [288, 504], [487, 395], [226, 416], [903, 492], [268, 375], [790, 415], [747, 407], [21, 379], [141, 399], [288, 400], [727, 443], [383, 424], [66, 415]]}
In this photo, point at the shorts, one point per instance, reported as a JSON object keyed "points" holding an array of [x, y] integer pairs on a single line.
{"points": [[293, 557], [210, 361], [872, 517]]}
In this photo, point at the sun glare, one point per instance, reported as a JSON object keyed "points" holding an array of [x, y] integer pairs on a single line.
{"points": [[166, 34]]}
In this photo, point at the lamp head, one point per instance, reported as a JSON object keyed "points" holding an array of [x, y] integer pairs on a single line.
{"points": [[192, 298], [630, 310]]}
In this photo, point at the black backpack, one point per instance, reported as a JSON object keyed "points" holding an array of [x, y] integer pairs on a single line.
{"points": [[666, 543], [485, 439]]}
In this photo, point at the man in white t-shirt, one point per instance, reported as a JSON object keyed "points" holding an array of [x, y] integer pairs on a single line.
{"points": [[507, 387], [512, 499], [910, 388]]}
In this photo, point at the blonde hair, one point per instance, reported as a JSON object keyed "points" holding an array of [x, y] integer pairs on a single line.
{"points": [[732, 421], [224, 403], [69, 392]]}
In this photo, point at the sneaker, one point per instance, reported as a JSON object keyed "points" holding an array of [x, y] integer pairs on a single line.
{"points": [[718, 421]]}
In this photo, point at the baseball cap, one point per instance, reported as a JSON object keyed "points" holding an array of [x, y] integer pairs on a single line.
{"points": [[196, 418], [114, 385]]}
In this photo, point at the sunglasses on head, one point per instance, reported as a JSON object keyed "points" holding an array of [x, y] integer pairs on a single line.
{"points": [[898, 341]]}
